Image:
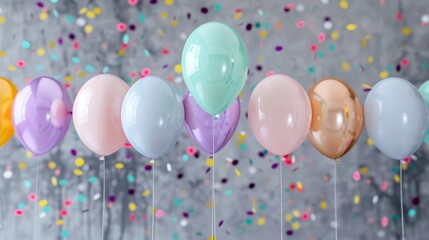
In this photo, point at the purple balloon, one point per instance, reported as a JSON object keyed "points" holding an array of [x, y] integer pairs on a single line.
{"points": [[41, 114], [200, 124]]}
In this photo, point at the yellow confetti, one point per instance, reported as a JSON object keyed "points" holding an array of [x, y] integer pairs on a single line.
{"points": [[366, 85], [335, 35], [43, 202], [178, 68], [406, 31], [173, 22], [122, 52], [3, 53], [160, 32], [28, 154], [79, 162], [351, 27], [97, 10], [60, 222], [54, 181], [52, 165], [22, 165], [2, 19], [237, 172], [344, 4], [83, 10], [299, 186], [43, 15], [370, 59], [119, 165], [169, 2], [90, 14], [146, 193], [78, 172], [260, 58], [296, 226], [88, 28], [132, 206], [383, 74], [397, 178], [81, 74], [363, 170], [211, 238], [210, 204], [11, 68], [237, 15], [209, 162], [364, 41], [323, 205], [263, 34], [68, 78], [356, 199], [51, 44], [41, 52], [345, 66], [163, 15], [288, 217], [261, 221], [369, 142], [242, 136], [404, 166]]}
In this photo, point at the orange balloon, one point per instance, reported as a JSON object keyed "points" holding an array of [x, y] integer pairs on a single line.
{"points": [[337, 120], [8, 92]]}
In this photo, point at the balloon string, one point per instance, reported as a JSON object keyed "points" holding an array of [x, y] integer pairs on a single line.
{"points": [[402, 200], [153, 199], [35, 199], [213, 186], [104, 198], [281, 199], [335, 200]]}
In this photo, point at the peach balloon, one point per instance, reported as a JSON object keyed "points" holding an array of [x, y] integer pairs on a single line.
{"points": [[279, 114], [97, 114]]}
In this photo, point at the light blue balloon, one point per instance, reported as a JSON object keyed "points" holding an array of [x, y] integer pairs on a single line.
{"points": [[424, 91], [214, 66], [396, 117], [152, 117]]}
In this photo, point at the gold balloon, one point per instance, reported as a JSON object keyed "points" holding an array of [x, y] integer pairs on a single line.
{"points": [[8, 92], [337, 119]]}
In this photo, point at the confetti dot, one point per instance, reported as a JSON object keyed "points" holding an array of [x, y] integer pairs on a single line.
{"points": [[2, 19], [351, 27], [77, 172], [43, 16], [3, 54], [323, 205], [424, 19], [210, 162], [88, 28], [383, 74], [178, 68], [261, 221], [79, 162], [406, 31], [25, 44]]}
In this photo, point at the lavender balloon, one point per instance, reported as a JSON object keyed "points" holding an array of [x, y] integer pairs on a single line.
{"points": [[200, 124], [41, 114]]}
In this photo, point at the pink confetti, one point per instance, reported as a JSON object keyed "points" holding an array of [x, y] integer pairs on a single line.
{"points": [[270, 73], [356, 176], [132, 217], [384, 221], [133, 2], [300, 24], [32, 197], [121, 27], [305, 217], [322, 37], [63, 213], [145, 72], [159, 214], [20, 64], [19, 212], [384, 186], [67, 203], [190, 150]]}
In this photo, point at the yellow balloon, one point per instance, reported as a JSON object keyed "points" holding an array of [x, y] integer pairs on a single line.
{"points": [[8, 92]]}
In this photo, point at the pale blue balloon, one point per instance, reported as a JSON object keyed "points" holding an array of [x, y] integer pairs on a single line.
{"points": [[424, 91], [152, 117], [396, 117]]}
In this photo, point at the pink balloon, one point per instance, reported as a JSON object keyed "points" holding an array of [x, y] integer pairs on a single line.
{"points": [[97, 114], [279, 114]]}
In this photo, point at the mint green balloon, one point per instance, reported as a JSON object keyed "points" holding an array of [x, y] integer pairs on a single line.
{"points": [[424, 91], [214, 66]]}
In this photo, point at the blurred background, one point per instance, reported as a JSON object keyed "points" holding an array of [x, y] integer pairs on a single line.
{"points": [[359, 42]]}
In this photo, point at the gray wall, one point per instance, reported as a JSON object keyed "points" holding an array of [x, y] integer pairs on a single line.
{"points": [[191, 193]]}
